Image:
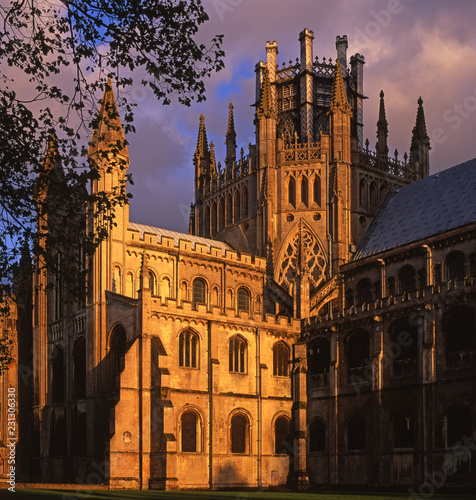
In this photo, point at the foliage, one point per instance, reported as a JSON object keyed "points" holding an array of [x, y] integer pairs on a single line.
{"points": [[55, 59]]}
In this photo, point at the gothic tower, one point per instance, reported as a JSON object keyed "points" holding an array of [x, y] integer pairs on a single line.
{"points": [[308, 188]]}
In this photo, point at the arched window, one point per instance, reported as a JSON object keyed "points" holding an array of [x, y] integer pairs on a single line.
{"points": [[165, 287], [357, 356], [421, 278], [79, 369], [459, 324], [319, 358], [292, 191], [237, 208], [215, 296], [391, 286], [363, 199], [349, 298], [199, 291], [317, 436], [221, 214], [407, 279], [188, 349], [214, 222], [206, 222], [404, 352], [239, 433], [229, 210], [317, 190], [455, 266], [403, 432], [245, 202], [356, 433], [437, 277], [130, 285], [282, 436], [304, 191], [281, 359], [184, 291], [243, 299], [152, 283], [377, 290], [383, 192], [373, 196], [116, 280], [58, 374], [364, 292], [458, 426], [189, 423], [237, 354], [118, 354]]}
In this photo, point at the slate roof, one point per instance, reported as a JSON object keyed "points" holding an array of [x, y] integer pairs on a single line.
{"points": [[424, 208], [142, 228]]}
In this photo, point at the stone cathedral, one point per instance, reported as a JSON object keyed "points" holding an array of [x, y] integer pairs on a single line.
{"points": [[317, 326]]}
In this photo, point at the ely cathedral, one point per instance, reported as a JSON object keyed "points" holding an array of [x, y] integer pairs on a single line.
{"points": [[316, 326]]}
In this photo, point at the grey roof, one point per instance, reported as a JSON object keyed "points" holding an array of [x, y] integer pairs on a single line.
{"points": [[142, 228], [424, 208]]}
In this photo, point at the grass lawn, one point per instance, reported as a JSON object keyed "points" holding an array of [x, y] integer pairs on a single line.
{"points": [[28, 494]]}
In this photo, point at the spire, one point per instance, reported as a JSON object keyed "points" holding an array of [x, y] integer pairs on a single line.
{"points": [[52, 162], [202, 142], [51, 176], [382, 130], [419, 130], [230, 131], [420, 145], [230, 140], [108, 135], [339, 96], [265, 105]]}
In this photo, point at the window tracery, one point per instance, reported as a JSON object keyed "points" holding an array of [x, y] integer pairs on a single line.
{"points": [[303, 252]]}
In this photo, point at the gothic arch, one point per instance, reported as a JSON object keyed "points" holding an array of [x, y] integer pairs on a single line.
{"points": [[229, 210], [304, 190], [206, 222], [214, 219], [245, 202], [315, 258], [190, 432], [291, 191], [236, 206], [221, 214]]}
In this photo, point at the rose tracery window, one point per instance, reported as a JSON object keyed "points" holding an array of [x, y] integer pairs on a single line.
{"points": [[302, 252]]}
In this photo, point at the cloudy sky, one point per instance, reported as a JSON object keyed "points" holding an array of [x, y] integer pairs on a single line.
{"points": [[412, 48]]}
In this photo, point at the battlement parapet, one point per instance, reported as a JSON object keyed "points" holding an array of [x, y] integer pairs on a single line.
{"points": [[164, 239]]}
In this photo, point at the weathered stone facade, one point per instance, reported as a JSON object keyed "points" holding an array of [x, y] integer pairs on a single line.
{"points": [[266, 347]]}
